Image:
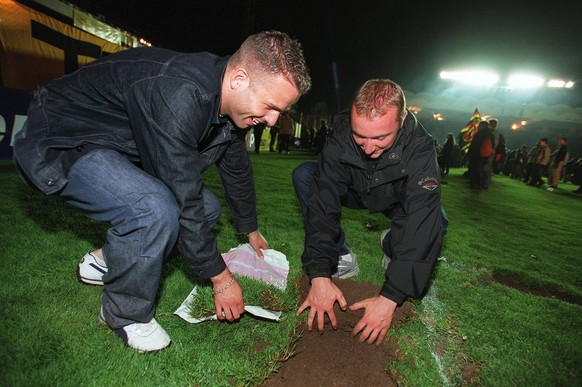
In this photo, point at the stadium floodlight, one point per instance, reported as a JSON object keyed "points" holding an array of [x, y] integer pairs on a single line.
{"points": [[525, 81], [559, 83], [471, 77]]}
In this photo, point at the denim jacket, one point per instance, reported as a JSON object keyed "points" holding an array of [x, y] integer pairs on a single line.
{"points": [[159, 108]]}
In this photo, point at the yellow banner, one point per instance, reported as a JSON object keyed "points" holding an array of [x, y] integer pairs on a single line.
{"points": [[36, 48]]}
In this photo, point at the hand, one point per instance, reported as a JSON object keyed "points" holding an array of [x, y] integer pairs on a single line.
{"points": [[258, 242], [322, 296], [377, 319], [229, 302]]}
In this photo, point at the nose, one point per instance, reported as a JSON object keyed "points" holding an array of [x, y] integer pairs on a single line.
{"points": [[368, 147], [272, 117]]}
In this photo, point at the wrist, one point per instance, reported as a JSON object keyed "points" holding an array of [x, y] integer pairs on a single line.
{"points": [[221, 279], [217, 290]]}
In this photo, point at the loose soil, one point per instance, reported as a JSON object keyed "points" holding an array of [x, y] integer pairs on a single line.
{"points": [[335, 358]]}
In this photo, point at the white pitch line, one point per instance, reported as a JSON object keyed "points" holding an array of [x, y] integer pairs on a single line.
{"points": [[431, 304]]}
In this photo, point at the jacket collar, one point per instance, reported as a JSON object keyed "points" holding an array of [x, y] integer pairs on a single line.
{"points": [[217, 118]]}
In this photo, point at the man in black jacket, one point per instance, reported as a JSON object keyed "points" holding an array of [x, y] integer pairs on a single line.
{"points": [[379, 157], [127, 138]]}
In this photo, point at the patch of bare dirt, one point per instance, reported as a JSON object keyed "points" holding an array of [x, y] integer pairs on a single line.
{"points": [[335, 358], [515, 282]]}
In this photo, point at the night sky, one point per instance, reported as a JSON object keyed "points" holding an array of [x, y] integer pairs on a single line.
{"points": [[407, 41]]}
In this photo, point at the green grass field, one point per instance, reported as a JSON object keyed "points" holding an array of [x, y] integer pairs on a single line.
{"points": [[468, 329]]}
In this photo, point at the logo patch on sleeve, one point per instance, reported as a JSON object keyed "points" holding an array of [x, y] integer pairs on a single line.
{"points": [[429, 183]]}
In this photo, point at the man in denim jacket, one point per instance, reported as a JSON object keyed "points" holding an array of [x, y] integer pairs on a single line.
{"points": [[127, 138]]}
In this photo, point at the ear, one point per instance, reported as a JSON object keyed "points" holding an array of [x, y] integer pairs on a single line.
{"points": [[403, 118], [239, 78]]}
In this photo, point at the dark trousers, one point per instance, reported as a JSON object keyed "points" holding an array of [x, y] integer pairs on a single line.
{"points": [[258, 134], [284, 140]]}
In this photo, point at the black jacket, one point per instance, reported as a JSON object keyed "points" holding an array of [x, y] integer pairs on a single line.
{"points": [[404, 185], [156, 107]]}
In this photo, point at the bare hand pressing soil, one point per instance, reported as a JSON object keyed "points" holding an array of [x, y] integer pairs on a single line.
{"points": [[335, 358]]}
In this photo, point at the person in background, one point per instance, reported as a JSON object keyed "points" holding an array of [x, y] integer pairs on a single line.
{"points": [[286, 128], [320, 137], [379, 158], [542, 159], [274, 131], [258, 134], [529, 165], [479, 155], [519, 163], [127, 138], [447, 154], [560, 159], [489, 164]]}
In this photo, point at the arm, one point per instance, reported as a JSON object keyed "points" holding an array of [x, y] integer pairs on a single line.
{"points": [[416, 229], [237, 178], [322, 228], [415, 238], [322, 225]]}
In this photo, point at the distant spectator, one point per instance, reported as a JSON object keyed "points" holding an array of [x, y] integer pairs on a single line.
{"points": [[488, 167], [286, 127], [543, 155], [500, 154], [320, 137], [577, 175], [479, 154], [531, 160], [519, 163], [446, 155], [560, 159], [258, 134], [274, 132]]}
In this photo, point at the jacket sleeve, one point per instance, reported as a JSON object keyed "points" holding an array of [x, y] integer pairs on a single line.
{"points": [[322, 224], [236, 174], [167, 137], [415, 229]]}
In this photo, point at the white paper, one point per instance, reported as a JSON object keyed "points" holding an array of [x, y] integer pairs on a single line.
{"points": [[184, 311]]}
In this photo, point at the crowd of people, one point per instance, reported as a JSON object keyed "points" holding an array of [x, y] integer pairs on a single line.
{"points": [[282, 138], [488, 155]]}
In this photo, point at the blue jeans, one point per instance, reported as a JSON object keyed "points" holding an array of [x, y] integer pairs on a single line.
{"points": [[303, 176], [144, 220]]}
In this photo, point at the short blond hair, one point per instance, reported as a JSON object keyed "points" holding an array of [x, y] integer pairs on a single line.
{"points": [[376, 96], [274, 53]]}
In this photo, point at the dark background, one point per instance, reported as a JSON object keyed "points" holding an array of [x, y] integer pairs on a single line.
{"points": [[407, 41], [348, 42]]}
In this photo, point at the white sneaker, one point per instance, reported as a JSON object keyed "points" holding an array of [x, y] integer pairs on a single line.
{"points": [[144, 337], [347, 266], [387, 259], [89, 271]]}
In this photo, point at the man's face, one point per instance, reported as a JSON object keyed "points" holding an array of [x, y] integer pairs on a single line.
{"points": [[377, 135], [262, 101]]}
